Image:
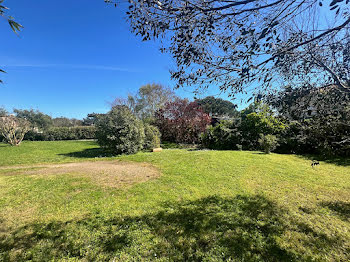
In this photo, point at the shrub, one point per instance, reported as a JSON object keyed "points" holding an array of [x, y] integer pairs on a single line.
{"points": [[268, 143], [62, 133], [254, 124], [224, 136], [182, 121], [120, 131], [152, 137]]}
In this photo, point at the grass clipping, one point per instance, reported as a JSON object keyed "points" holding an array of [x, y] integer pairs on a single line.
{"points": [[115, 174]]}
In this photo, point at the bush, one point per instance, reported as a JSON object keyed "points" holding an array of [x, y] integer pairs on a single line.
{"points": [[152, 137], [268, 143], [254, 124], [62, 133], [120, 131], [224, 136]]}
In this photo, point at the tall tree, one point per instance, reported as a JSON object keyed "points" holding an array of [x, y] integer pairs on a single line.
{"points": [[147, 100], [35, 118], [234, 44], [217, 106]]}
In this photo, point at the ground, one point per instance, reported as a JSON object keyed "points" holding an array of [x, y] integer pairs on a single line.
{"points": [[70, 201]]}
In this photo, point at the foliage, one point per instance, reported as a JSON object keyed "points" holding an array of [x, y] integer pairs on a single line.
{"points": [[90, 120], [36, 118], [66, 122], [16, 27], [224, 136], [62, 133], [319, 120], [268, 143], [147, 100], [255, 124], [120, 131], [217, 106], [244, 132], [181, 121], [3, 112], [233, 44], [13, 129], [152, 137], [225, 205]]}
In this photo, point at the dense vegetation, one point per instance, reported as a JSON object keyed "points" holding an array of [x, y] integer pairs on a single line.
{"points": [[207, 205], [120, 131], [181, 121], [217, 106]]}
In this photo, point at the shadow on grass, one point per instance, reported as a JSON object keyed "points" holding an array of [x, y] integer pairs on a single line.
{"points": [[90, 153], [339, 161], [213, 228], [342, 209]]}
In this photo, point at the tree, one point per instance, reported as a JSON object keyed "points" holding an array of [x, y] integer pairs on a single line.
{"points": [[120, 131], [224, 136], [257, 119], [182, 121], [13, 129], [16, 27], [147, 100], [233, 44], [66, 122], [217, 106], [319, 119], [91, 119], [36, 118], [3, 112]]}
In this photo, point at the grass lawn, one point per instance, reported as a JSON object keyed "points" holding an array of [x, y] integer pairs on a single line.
{"points": [[204, 206]]}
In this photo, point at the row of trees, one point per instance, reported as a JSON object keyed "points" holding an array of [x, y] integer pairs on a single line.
{"points": [[136, 122], [35, 125], [304, 120]]}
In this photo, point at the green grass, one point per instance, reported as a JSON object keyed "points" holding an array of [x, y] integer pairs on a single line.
{"points": [[206, 206], [48, 152]]}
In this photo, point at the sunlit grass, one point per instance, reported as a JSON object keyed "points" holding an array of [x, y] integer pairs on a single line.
{"points": [[206, 206]]}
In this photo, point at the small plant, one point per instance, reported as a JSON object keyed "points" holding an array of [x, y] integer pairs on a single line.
{"points": [[268, 143]]}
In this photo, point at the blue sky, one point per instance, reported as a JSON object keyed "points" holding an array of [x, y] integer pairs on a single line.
{"points": [[72, 57]]}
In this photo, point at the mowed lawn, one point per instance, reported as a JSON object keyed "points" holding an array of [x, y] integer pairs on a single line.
{"points": [[203, 206]]}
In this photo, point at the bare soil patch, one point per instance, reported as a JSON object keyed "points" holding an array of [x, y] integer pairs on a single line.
{"points": [[105, 173]]}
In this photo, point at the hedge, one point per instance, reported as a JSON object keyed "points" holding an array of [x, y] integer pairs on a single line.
{"points": [[62, 133]]}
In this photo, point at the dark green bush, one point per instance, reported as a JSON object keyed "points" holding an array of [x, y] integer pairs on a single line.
{"points": [[152, 137], [120, 131], [224, 136]]}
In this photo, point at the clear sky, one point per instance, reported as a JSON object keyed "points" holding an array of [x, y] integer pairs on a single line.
{"points": [[72, 57]]}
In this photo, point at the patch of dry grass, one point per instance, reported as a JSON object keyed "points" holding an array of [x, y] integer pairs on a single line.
{"points": [[116, 174]]}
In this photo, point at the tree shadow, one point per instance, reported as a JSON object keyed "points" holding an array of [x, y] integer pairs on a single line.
{"points": [[342, 209], [212, 229], [90, 153], [336, 160]]}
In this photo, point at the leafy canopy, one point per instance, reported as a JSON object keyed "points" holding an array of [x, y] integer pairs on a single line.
{"points": [[235, 44], [217, 106]]}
